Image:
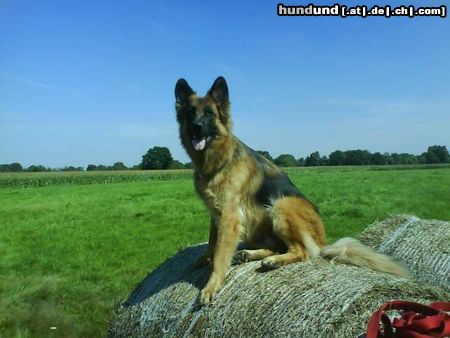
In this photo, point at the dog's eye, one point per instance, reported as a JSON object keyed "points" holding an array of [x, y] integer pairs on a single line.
{"points": [[190, 111], [208, 112]]}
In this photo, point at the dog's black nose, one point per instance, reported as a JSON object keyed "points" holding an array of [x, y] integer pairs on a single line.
{"points": [[197, 127]]}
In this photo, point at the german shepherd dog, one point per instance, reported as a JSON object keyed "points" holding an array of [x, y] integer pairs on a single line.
{"points": [[250, 198]]}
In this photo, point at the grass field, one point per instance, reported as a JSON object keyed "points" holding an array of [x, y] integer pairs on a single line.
{"points": [[69, 251]]}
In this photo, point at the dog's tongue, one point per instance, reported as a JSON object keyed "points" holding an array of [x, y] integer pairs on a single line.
{"points": [[199, 144]]}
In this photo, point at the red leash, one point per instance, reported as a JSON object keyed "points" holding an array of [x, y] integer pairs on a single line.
{"points": [[417, 321]]}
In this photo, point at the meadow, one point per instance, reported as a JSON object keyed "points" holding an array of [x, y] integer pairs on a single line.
{"points": [[73, 245]]}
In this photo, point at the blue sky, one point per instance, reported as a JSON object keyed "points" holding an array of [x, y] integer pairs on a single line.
{"points": [[92, 81]]}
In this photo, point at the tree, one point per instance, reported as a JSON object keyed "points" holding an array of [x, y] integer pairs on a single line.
{"points": [[16, 167], [119, 166], [286, 160], [406, 158], [91, 167], [422, 158], [357, 157], [377, 158], [437, 154], [157, 158], [72, 168], [176, 165], [301, 162], [136, 167], [313, 159], [266, 154], [388, 158], [12, 167], [337, 158], [395, 158], [36, 168]]}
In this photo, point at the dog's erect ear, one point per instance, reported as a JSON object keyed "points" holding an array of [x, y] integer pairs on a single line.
{"points": [[219, 91], [182, 91]]}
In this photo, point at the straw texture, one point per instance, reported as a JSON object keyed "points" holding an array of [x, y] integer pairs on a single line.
{"points": [[423, 245], [316, 298]]}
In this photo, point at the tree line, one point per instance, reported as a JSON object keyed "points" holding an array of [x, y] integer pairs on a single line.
{"points": [[434, 154], [161, 158]]}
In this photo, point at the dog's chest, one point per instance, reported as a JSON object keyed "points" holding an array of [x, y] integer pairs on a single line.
{"points": [[210, 193]]}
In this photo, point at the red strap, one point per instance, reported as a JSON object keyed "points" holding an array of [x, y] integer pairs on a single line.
{"points": [[421, 321], [441, 306]]}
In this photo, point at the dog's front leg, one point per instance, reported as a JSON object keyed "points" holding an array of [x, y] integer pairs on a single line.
{"points": [[226, 244], [207, 258]]}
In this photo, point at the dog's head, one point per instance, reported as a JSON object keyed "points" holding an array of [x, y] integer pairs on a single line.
{"points": [[202, 119]]}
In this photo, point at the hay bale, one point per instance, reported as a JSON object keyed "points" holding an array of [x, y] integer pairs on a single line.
{"points": [[317, 298], [423, 245]]}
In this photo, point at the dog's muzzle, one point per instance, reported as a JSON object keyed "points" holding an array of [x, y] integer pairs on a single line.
{"points": [[199, 144]]}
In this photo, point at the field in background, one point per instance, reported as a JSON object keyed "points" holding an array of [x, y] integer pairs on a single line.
{"points": [[42, 179], [72, 247]]}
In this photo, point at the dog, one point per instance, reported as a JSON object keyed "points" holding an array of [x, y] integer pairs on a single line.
{"points": [[249, 198]]}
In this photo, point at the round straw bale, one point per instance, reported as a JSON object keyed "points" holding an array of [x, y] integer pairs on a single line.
{"points": [[422, 244], [316, 298]]}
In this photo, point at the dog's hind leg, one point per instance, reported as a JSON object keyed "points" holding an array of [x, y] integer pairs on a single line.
{"points": [[297, 224], [252, 255], [294, 254]]}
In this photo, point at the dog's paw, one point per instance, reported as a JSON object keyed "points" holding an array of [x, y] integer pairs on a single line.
{"points": [[210, 290], [269, 263], [240, 257], [207, 294], [202, 261]]}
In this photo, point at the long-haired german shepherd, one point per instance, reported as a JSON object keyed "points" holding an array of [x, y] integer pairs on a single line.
{"points": [[250, 198]]}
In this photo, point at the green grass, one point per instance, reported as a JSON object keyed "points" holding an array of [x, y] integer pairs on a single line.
{"points": [[69, 252]]}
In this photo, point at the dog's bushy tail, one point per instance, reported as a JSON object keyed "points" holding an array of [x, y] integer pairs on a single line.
{"points": [[349, 250]]}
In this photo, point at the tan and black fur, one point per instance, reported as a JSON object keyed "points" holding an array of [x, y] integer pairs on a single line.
{"points": [[250, 198]]}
